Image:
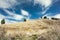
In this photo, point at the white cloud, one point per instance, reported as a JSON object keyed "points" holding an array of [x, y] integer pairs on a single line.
{"points": [[10, 3], [57, 16], [2, 16], [14, 15], [6, 20], [18, 17], [44, 3], [24, 13], [7, 3], [9, 21], [49, 15], [43, 12], [8, 12]]}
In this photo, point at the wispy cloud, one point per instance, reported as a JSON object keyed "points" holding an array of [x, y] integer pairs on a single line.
{"points": [[7, 3], [57, 16], [14, 15], [9, 21], [44, 3], [6, 20], [49, 15], [10, 3], [24, 13], [2, 16], [44, 11], [18, 17], [9, 13]]}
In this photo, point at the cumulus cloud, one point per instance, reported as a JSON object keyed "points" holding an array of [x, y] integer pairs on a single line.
{"points": [[7, 3]]}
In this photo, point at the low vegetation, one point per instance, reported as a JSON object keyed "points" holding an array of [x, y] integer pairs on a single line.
{"points": [[43, 29], [2, 21], [55, 18], [45, 17], [24, 20]]}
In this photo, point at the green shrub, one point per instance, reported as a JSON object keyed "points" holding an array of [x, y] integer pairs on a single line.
{"points": [[45, 17], [24, 20], [2, 21], [55, 18]]}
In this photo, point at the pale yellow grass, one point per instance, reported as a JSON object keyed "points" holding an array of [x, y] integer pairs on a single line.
{"points": [[38, 27]]}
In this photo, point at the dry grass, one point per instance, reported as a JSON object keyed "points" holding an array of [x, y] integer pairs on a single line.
{"points": [[42, 29]]}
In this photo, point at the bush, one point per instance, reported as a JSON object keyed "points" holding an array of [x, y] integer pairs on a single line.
{"points": [[54, 18], [45, 17], [24, 20], [2, 21]]}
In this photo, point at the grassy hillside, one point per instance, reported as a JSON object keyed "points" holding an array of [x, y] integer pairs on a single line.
{"points": [[41, 29]]}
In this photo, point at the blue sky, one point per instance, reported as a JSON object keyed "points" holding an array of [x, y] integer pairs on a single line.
{"points": [[16, 10]]}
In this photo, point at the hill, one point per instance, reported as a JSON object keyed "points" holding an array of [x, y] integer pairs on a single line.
{"points": [[41, 29]]}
